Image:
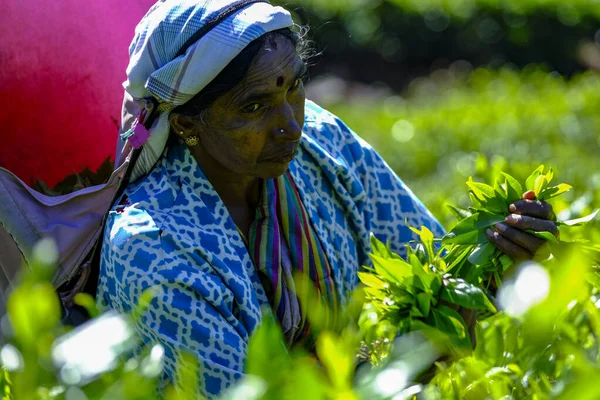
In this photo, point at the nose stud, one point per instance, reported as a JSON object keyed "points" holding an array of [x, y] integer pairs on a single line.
{"points": [[282, 131]]}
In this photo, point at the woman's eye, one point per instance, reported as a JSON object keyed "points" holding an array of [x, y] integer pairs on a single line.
{"points": [[252, 108]]}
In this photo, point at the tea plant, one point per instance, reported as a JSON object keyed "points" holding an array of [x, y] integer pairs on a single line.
{"points": [[470, 253]]}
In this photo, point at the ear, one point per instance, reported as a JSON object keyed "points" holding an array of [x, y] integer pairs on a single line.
{"points": [[182, 125]]}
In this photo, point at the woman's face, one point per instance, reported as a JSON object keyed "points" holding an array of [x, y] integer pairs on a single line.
{"points": [[254, 129]]}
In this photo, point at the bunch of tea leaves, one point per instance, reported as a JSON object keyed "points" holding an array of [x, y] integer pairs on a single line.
{"points": [[546, 351], [470, 254], [416, 294]]}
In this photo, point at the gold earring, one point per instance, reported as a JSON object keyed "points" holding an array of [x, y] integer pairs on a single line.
{"points": [[181, 133], [191, 140]]}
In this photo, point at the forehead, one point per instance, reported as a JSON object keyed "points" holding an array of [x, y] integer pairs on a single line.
{"points": [[277, 58]]}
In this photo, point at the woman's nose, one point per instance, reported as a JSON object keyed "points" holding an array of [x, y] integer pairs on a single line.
{"points": [[291, 122]]}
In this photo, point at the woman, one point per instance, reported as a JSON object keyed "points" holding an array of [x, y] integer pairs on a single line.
{"points": [[242, 183]]}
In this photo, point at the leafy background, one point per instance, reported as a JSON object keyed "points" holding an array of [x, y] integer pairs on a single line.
{"points": [[449, 89]]}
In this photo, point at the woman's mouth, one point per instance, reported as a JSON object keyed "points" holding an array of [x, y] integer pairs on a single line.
{"points": [[286, 155]]}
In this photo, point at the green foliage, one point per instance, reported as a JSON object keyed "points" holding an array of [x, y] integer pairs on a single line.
{"points": [[415, 294], [470, 254], [552, 346], [44, 360], [411, 322], [453, 125]]}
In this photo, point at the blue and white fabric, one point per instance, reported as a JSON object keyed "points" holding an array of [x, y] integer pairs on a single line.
{"points": [[172, 230], [156, 70]]}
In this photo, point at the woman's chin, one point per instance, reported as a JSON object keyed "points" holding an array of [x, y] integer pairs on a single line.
{"points": [[275, 169]]}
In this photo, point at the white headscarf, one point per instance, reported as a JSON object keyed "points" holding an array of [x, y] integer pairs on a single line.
{"points": [[168, 62]]}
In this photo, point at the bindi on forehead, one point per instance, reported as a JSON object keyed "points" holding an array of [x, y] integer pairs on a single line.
{"points": [[280, 81]]}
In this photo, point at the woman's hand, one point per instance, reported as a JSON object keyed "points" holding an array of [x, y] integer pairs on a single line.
{"points": [[527, 214]]}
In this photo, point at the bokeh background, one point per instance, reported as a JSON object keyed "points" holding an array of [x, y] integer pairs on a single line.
{"points": [[444, 89], [447, 89]]}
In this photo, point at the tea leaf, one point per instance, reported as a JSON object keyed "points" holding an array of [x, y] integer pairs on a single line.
{"points": [[544, 235], [553, 191], [540, 184], [482, 191], [514, 190], [451, 323], [579, 221], [424, 303], [371, 280], [86, 301], [266, 351], [338, 361], [530, 182], [456, 261], [486, 195], [394, 270], [426, 237], [33, 310], [470, 230], [460, 213], [482, 254], [466, 295], [506, 261], [549, 175], [378, 247]]}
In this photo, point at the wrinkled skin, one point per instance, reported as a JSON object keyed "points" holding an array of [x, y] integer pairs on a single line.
{"points": [[252, 132], [527, 214]]}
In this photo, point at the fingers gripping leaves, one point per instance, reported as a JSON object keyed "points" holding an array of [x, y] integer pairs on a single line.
{"points": [[506, 222]]}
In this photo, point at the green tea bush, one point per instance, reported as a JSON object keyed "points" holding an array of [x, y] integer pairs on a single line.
{"points": [[454, 124]]}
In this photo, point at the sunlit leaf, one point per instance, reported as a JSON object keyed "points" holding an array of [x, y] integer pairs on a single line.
{"points": [[554, 191], [459, 292], [451, 323], [426, 237], [337, 359], [460, 213], [267, 355], [530, 182], [514, 190], [544, 235], [579, 221], [379, 248], [482, 191], [471, 230], [540, 184], [33, 310], [482, 253], [371, 280], [86, 301], [394, 270], [487, 197]]}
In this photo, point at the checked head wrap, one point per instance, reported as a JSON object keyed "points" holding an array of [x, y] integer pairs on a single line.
{"points": [[179, 47]]}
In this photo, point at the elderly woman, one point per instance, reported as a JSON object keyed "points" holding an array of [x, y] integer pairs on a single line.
{"points": [[241, 182]]}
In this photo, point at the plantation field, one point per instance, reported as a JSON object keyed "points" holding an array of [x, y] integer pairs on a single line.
{"points": [[451, 125]]}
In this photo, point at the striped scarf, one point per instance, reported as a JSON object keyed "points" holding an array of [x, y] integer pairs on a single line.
{"points": [[282, 242]]}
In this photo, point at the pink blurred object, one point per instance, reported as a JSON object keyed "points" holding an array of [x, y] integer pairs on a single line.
{"points": [[140, 136], [62, 64]]}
